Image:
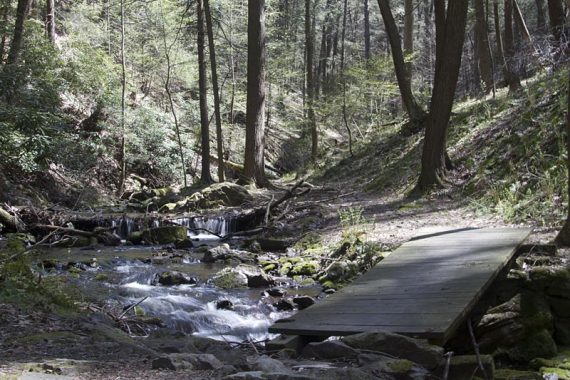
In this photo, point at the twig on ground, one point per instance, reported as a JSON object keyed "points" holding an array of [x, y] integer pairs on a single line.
{"points": [[476, 348]]}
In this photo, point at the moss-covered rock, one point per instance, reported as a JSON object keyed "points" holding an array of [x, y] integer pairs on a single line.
{"points": [[220, 194], [164, 235], [228, 278], [512, 374], [537, 345], [75, 241], [555, 281], [135, 237], [562, 331], [305, 268]]}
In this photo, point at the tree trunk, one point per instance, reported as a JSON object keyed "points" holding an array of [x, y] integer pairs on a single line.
{"points": [[123, 152], [171, 101], [343, 79], [484, 59], [309, 55], [18, 37], [557, 19], [511, 76], [50, 20], [4, 37], [408, 34], [563, 237], [540, 16], [520, 22], [216, 90], [367, 29], [254, 162], [448, 63], [415, 112], [205, 176], [498, 33]]}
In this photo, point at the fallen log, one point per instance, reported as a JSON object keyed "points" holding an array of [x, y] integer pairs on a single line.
{"points": [[103, 235], [11, 222]]}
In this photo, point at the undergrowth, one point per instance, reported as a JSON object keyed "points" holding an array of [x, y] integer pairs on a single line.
{"points": [[21, 285]]}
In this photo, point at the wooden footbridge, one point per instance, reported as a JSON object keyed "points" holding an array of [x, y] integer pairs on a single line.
{"points": [[425, 288]]}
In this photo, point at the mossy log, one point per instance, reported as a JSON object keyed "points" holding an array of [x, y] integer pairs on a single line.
{"points": [[11, 223]]}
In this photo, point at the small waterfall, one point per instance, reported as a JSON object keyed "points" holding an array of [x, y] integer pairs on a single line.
{"points": [[199, 227], [207, 227]]}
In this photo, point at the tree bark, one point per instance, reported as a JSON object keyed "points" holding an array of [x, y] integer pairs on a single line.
{"points": [[415, 112], [563, 237], [22, 13], [367, 28], [309, 55], [484, 58], [205, 176], [540, 16], [216, 90], [254, 161], [557, 19], [408, 34], [4, 37], [510, 74], [50, 20], [342, 52], [448, 63], [123, 151]]}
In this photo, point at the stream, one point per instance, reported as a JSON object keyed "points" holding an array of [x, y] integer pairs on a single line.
{"points": [[124, 275]]}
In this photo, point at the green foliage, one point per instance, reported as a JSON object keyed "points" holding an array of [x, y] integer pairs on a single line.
{"points": [[351, 217], [21, 285]]}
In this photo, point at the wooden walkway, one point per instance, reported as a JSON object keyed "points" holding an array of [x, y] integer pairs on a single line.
{"points": [[424, 289]]}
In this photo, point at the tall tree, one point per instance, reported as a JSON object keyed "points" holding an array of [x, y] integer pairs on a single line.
{"points": [[123, 151], [414, 110], [309, 56], [22, 13], [342, 53], [540, 16], [216, 90], [557, 18], [205, 176], [254, 162], [4, 37], [367, 29], [409, 33], [511, 76], [50, 20], [484, 58], [167, 50], [450, 37], [563, 237]]}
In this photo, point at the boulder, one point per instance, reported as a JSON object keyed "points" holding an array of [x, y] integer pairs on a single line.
{"points": [[303, 302], [305, 268], [417, 351], [256, 277], [170, 278], [284, 305], [228, 278], [224, 305], [512, 374], [562, 331], [537, 345], [219, 253], [332, 349], [184, 244], [164, 235], [266, 364], [219, 194], [560, 307], [276, 292], [464, 367], [180, 362]]}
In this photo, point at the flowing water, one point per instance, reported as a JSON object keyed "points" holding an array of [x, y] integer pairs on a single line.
{"points": [[125, 275]]}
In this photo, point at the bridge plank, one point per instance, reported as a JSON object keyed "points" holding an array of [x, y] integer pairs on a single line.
{"points": [[425, 288]]}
